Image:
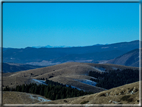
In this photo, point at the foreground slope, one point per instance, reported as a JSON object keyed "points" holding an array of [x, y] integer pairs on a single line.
{"points": [[10, 97], [126, 94]]}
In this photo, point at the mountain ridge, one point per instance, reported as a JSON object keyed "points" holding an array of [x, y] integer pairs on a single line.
{"points": [[12, 67], [72, 46], [53, 55]]}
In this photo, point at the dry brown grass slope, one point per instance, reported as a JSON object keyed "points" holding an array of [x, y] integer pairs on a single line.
{"points": [[67, 68], [21, 98], [65, 73], [126, 94]]}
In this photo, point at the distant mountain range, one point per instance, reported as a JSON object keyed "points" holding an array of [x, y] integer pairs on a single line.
{"points": [[48, 46], [76, 54]]}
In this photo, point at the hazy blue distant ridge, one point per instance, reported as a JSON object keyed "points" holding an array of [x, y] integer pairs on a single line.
{"points": [[59, 54]]}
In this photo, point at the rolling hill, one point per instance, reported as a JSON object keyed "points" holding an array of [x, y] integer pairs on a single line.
{"points": [[71, 73], [128, 59]]}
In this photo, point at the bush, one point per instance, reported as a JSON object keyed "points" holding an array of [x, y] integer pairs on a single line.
{"points": [[84, 102]]}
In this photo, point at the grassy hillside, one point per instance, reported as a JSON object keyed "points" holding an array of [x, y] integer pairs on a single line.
{"points": [[22, 98], [67, 73], [126, 94]]}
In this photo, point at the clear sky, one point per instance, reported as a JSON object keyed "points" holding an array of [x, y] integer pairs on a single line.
{"points": [[69, 24]]}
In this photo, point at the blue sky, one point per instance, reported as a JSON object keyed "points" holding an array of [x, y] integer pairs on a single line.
{"points": [[69, 24]]}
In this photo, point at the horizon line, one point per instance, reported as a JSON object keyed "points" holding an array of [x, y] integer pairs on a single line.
{"points": [[64, 46]]}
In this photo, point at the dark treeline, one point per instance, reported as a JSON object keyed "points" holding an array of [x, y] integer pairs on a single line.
{"points": [[52, 91], [50, 82], [115, 78]]}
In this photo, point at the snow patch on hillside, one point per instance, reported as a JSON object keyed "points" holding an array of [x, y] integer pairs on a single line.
{"points": [[73, 87], [38, 82], [114, 68], [93, 78], [39, 98], [100, 69], [88, 82]]}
